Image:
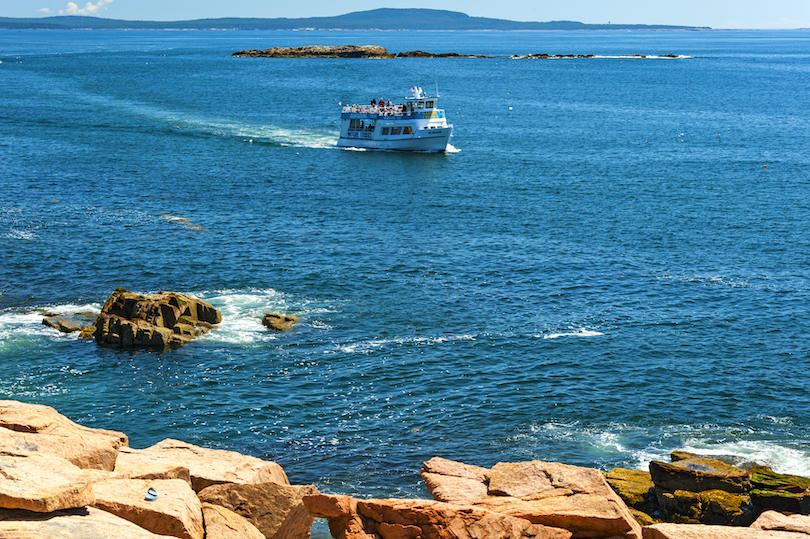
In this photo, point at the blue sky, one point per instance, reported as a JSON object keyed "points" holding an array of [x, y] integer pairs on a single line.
{"points": [[766, 14]]}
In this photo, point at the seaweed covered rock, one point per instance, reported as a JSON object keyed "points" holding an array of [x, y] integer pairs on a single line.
{"points": [[698, 474], [702, 490], [165, 319], [637, 490], [779, 492]]}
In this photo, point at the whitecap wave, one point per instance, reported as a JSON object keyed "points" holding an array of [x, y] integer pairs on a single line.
{"points": [[242, 312], [634, 446], [576, 333], [16, 234], [370, 346]]}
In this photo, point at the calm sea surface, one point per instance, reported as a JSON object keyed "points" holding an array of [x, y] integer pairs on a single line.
{"points": [[612, 264]]}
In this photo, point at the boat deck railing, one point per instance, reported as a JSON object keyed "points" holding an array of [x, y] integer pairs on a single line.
{"points": [[375, 109]]}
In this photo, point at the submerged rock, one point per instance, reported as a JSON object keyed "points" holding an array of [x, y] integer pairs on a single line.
{"points": [[279, 322], [71, 323], [165, 319]]}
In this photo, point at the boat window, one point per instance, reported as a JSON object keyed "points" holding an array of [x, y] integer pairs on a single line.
{"points": [[420, 105], [429, 104], [407, 130], [396, 130], [386, 130]]}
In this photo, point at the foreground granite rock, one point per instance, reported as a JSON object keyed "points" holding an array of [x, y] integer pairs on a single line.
{"points": [[82, 523], [703, 531], [277, 511], [42, 484], [222, 523], [558, 495], [34, 429], [176, 511], [319, 51], [162, 320], [206, 466], [350, 518], [773, 520]]}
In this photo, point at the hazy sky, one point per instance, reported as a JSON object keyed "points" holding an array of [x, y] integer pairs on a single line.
{"points": [[714, 13]]}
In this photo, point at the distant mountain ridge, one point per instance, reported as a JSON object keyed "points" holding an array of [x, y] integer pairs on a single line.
{"points": [[376, 19]]}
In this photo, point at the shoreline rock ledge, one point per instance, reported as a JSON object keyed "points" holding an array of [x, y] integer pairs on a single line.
{"points": [[61, 480]]}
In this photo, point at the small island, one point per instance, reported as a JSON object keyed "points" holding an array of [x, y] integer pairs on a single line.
{"points": [[343, 51], [377, 52]]}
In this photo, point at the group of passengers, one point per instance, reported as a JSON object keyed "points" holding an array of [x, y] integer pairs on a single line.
{"points": [[387, 108]]}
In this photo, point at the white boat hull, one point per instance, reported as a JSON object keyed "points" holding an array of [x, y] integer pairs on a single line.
{"points": [[435, 140]]}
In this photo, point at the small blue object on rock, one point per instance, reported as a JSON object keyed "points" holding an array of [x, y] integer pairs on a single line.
{"points": [[151, 495]]}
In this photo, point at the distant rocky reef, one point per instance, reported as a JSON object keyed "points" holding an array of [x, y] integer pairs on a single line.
{"points": [[375, 51], [318, 51], [343, 51]]}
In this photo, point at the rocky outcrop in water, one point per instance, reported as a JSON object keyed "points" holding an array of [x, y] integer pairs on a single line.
{"points": [[423, 54], [71, 323], [319, 51], [279, 322], [162, 320]]}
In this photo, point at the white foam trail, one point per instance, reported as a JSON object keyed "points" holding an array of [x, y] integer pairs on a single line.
{"points": [[242, 312], [367, 347], [577, 333]]}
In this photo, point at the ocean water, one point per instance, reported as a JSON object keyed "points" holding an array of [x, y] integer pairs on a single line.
{"points": [[613, 262]]}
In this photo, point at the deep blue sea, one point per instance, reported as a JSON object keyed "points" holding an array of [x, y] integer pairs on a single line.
{"points": [[613, 262]]}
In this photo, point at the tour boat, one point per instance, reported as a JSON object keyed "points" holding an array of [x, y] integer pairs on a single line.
{"points": [[415, 125]]}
